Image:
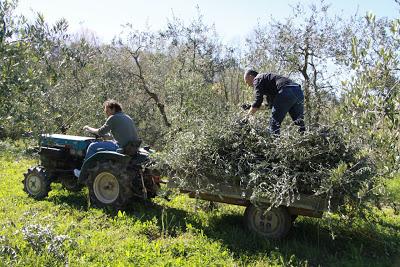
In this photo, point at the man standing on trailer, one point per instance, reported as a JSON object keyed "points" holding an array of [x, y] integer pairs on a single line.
{"points": [[283, 96]]}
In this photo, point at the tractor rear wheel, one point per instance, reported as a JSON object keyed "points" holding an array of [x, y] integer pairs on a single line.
{"points": [[109, 185], [273, 224], [36, 182]]}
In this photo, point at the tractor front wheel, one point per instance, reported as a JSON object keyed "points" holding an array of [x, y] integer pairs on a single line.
{"points": [[109, 185], [36, 183]]}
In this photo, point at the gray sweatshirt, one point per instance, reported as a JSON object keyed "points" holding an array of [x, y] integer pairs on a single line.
{"points": [[122, 128]]}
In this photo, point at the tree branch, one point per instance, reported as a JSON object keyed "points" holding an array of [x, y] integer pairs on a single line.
{"points": [[154, 96]]}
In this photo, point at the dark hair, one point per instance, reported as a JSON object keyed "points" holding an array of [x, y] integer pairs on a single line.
{"points": [[112, 104], [251, 72]]}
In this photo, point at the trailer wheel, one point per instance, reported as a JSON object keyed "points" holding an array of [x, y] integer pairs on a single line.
{"points": [[273, 224], [36, 182], [109, 185]]}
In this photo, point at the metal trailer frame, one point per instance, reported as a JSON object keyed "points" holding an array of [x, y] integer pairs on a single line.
{"points": [[269, 222]]}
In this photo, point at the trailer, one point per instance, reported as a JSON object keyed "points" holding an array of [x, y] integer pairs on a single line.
{"points": [[259, 217]]}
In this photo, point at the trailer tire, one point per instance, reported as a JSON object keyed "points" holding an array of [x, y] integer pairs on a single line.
{"points": [[271, 224]]}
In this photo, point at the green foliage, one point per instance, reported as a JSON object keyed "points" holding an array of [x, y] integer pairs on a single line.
{"points": [[370, 106], [393, 192], [56, 82]]}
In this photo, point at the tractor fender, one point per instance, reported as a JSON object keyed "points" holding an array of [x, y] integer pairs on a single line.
{"points": [[101, 156]]}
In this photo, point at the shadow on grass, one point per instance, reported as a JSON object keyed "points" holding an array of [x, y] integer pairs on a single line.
{"points": [[76, 200], [309, 240], [143, 210], [313, 241], [60, 196]]}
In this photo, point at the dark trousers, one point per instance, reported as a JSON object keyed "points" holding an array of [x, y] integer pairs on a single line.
{"points": [[290, 99]]}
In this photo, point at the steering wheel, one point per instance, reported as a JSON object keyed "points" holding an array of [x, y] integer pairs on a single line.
{"points": [[96, 136]]}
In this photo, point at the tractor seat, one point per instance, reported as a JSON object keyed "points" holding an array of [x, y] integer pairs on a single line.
{"points": [[131, 148]]}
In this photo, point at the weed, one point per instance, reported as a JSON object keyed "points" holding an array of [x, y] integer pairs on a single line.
{"points": [[42, 238]]}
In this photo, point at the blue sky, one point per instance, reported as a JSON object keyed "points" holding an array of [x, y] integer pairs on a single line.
{"points": [[233, 19]]}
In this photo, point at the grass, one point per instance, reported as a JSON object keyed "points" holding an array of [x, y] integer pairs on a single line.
{"points": [[63, 230]]}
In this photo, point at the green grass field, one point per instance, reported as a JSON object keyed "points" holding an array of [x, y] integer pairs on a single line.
{"points": [[62, 230]]}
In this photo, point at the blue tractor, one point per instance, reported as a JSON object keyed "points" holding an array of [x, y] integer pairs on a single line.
{"points": [[113, 179]]}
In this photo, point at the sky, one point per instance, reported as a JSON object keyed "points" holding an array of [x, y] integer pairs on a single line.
{"points": [[233, 19]]}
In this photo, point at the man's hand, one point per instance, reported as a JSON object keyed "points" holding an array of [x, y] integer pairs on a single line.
{"points": [[252, 111], [90, 129], [244, 121], [246, 106]]}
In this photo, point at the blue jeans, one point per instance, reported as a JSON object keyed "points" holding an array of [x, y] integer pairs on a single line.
{"points": [[290, 99], [96, 146]]}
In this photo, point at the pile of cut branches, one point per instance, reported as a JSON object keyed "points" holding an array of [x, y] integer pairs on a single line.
{"points": [[280, 169]]}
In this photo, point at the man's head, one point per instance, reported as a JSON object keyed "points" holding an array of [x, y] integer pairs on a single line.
{"points": [[249, 76], [111, 107]]}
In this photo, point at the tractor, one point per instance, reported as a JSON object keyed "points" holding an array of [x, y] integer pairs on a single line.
{"points": [[113, 178]]}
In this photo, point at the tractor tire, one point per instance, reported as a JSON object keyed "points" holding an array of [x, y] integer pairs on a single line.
{"points": [[71, 184], [36, 182], [272, 224], [109, 185]]}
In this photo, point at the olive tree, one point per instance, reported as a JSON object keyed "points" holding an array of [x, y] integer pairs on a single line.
{"points": [[25, 52], [203, 78], [371, 103], [307, 46]]}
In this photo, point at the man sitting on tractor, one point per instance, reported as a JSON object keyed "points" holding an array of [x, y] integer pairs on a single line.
{"points": [[121, 127]]}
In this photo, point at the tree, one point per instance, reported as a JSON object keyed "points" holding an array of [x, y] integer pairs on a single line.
{"points": [[371, 105], [307, 47]]}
